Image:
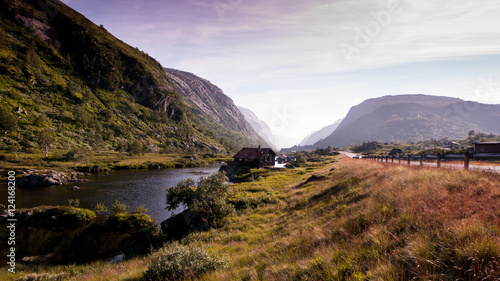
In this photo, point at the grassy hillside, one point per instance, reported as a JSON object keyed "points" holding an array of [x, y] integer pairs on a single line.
{"points": [[67, 83], [354, 220]]}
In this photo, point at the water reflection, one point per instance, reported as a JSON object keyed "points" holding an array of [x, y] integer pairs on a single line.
{"points": [[133, 187]]}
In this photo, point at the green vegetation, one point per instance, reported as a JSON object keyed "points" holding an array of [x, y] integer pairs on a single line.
{"points": [[72, 160], [337, 220], [205, 199], [178, 262], [67, 85], [121, 219], [60, 216]]}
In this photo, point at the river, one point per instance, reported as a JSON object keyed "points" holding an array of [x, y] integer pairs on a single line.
{"points": [[132, 187]]}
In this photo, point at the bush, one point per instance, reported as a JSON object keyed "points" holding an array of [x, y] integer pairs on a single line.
{"points": [[179, 262], [207, 198], [119, 207], [128, 221], [60, 216], [8, 121]]}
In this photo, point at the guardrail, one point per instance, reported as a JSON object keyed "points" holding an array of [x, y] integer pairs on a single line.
{"points": [[466, 158]]}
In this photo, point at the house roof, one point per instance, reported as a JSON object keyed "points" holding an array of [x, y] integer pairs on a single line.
{"points": [[252, 153]]}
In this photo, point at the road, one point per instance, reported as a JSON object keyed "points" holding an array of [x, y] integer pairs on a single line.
{"points": [[472, 167], [349, 154]]}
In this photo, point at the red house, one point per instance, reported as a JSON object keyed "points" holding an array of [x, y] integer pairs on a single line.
{"points": [[255, 157]]}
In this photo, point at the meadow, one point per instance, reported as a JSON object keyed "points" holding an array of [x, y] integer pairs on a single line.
{"points": [[339, 219]]}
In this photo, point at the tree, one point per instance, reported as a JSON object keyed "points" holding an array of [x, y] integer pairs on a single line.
{"points": [[14, 148], [207, 198], [299, 159], [45, 138], [135, 147], [8, 121]]}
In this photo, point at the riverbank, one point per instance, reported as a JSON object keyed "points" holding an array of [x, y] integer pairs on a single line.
{"points": [[102, 162], [345, 220], [134, 187], [49, 235]]}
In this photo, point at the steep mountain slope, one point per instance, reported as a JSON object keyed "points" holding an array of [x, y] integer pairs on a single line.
{"points": [[214, 112], [413, 118], [320, 134], [67, 80], [260, 127]]}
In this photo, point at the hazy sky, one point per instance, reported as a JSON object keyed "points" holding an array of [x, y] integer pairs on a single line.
{"points": [[300, 65]]}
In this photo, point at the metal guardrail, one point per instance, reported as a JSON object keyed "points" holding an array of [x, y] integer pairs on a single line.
{"points": [[466, 158]]}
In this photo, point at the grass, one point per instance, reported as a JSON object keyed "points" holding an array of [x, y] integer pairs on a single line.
{"points": [[106, 160], [354, 220]]}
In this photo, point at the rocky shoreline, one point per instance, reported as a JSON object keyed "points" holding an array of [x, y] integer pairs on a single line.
{"points": [[32, 177]]}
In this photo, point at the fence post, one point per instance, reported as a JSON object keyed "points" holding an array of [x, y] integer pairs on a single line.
{"points": [[466, 160], [399, 158], [409, 159], [392, 159], [421, 160], [439, 160]]}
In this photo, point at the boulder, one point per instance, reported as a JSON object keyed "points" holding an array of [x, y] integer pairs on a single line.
{"points": [[32, 179]]}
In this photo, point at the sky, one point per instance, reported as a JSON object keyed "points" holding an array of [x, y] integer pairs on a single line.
{"points": [[301, 65]]}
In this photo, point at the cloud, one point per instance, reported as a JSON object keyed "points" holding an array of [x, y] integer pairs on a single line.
{"points": [[314, 53]]}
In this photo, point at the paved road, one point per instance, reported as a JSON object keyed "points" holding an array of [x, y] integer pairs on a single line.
{"points": [[349, 154]]}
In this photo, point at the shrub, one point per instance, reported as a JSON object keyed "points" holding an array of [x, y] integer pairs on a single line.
{"points": [[178, 262], [100, 209], [8, 120], [74, 202], [119, 207], [207, 198], [127, 221]]}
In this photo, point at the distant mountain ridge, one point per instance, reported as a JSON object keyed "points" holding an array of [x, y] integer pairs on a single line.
{"points": [[261, 128], [406, 118], [320, 134]]}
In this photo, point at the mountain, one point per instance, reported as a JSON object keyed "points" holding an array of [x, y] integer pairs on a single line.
{"points": [[406, 118], [261, 128], [67, 82], [214, 112], [321, 134]]}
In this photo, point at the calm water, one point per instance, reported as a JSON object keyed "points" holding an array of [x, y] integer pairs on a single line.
{"points": [[133, 187]]}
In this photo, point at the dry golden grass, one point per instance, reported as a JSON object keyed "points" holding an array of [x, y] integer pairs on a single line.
{"points": [[358, 220], [368, 220]]}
